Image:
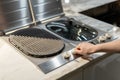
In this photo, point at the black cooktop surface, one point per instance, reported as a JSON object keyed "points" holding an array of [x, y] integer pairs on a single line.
{"points": [[72, 30]]}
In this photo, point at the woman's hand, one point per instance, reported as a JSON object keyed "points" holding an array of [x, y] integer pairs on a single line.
{"points": [[84, 49]]}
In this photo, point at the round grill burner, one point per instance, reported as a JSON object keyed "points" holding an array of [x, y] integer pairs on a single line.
{"points": [[72, 30], [37, 42]]}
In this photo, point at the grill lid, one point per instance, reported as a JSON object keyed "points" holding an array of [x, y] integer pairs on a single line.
{"points": [[46, 9], [36, 42], [14, 14]]}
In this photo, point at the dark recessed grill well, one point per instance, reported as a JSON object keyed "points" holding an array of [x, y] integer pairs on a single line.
{"points": [[72, 30], [36, 42]]}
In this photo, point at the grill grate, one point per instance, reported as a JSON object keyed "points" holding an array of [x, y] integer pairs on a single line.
{"points": [[34, 32], [37, 42]]}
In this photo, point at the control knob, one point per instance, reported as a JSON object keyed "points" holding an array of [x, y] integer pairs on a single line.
{"points": [[66, 55], [108, 36], [101, 39]]}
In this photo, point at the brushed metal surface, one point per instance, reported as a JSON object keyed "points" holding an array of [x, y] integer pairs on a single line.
{"points": [[45, 9], [14, 14], [57, 62]]}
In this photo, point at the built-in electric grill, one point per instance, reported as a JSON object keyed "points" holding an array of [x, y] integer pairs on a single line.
{"points": [[48, 44], [36, 42]]}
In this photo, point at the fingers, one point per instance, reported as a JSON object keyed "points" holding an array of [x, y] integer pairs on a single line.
{"points": [[82, 55], [84, 49], [79, 52]]}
